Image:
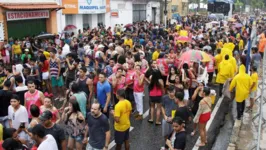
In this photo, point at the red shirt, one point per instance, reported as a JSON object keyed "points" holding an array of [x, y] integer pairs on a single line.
{"points": [[45, 66], [210, 65], [137, 87]]}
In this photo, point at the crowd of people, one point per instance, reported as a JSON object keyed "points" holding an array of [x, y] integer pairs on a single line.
{"points": [[61, 93]]}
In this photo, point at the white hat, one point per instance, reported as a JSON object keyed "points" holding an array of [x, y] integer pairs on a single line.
{"points": [[26, 50], [100, 46]]}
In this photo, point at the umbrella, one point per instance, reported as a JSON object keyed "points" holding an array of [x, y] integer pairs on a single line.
{"points": [[128, 25], [70, 27], [212, 16], [214, 22], [195, 56], [183, 39], [45, 36], [238, 25]]}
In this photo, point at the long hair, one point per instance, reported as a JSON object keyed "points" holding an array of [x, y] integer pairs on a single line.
{"points": [[75, 107], [186, 67], [172, 67], [156, 75]]}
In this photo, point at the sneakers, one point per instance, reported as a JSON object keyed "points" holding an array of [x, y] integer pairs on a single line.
{"points": [[163, 148]]}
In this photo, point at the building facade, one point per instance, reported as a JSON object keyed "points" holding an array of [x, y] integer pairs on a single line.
{"points": [[27, 18], [91, 13], [83, 13]]}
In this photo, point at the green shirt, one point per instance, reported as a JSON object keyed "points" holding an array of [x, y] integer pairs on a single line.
{"points": [[24, 55]]}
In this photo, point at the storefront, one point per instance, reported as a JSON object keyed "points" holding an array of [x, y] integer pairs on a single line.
{"points": [[27, 19], [84, 13]]}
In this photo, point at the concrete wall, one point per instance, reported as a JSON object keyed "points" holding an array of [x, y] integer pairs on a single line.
{"points": [[125, 15], [149, 7]]}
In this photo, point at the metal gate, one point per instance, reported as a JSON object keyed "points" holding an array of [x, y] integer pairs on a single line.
{"points": [[139, 12], [22, 28]]}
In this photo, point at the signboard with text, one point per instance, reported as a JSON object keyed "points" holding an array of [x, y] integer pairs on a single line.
{"points": [[86, 6], [25, 15]]}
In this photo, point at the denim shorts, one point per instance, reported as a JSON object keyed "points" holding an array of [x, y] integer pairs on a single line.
{"points": [[78, 138]]}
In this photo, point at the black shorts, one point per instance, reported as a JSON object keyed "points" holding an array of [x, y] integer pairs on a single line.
{"points": [[121, 137], [156, 99]]}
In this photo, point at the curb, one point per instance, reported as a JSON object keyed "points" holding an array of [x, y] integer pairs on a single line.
{"points": [[234, 135]]}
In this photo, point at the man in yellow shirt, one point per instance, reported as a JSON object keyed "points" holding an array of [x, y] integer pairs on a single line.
{"points": [[254, 86], [156, 53], [16, 50], [128, 41], [122, 113]]}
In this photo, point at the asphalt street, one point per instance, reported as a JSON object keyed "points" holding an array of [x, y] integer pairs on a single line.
{"points": [[146, 136]]}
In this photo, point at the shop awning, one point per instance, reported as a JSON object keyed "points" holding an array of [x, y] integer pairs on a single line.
{"points": [[31, 6]]}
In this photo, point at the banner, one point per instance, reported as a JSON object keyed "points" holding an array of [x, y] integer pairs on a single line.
{"points": [[71, 6], [92, 6], [24, 15], [86, 6]]}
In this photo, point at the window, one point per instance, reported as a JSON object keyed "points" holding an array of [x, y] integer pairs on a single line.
{"points": [[139, 12]]}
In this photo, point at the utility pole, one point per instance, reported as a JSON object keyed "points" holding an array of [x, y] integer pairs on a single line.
{"points": [[165, 13]]}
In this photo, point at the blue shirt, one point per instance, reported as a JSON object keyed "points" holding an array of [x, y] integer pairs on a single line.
{"points": [[102, 90]]}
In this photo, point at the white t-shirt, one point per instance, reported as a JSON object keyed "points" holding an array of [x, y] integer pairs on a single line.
{"points": [[19, 68], [66, 50], [21, 88], [21, 115], [48, 144]]}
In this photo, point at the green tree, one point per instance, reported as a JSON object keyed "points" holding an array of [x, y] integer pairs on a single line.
{"points": [[255, 4]]}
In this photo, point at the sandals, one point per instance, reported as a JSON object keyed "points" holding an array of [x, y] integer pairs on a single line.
{"points": [[201, 144], [150, 121], [158, 123]]}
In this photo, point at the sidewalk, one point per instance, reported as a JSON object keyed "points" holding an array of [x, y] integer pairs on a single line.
{"points": [[245, 132]]}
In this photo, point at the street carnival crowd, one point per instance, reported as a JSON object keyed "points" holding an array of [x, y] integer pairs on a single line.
{"points": [[68, 92]]}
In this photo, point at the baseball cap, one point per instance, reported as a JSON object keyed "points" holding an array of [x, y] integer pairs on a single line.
{"points": [[46, 115]]}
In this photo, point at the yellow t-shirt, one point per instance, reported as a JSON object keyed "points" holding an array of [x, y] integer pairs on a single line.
{"points": [[46, 54], [17, 49], [128, 42], [122, 110], [155, 55], [218, 59], [255, 79]]}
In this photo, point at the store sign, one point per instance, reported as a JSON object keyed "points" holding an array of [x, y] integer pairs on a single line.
{"points": [[86, 6], [24, 15], [92, 6], [71, 6], [114, 13]]}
